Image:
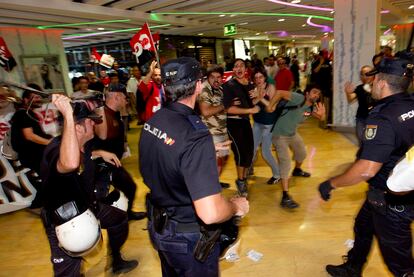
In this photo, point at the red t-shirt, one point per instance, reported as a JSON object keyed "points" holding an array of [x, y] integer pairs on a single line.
{"points": [[284, 79]]}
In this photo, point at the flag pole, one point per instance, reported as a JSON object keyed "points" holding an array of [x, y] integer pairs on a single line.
{"points": [[155, 46]]}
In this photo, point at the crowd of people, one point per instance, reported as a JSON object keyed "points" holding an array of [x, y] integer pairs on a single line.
{"points": [[189, 124]]}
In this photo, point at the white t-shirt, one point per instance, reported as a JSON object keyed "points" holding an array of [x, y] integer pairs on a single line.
{"points": [[132, 85], [272, 70]]}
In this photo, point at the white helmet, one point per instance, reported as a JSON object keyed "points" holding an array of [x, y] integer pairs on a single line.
{"points": [[80, 235], [121, 203], [402, 176]]}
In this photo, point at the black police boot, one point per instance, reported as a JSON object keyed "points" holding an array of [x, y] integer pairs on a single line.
{"points": [[119, 265], [288, 202], [346, 269], [136, 215], [242, 187]]}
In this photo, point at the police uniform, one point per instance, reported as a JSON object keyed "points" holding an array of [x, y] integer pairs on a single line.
{"points": [[178, 164], [389, 133], [61, 188]]}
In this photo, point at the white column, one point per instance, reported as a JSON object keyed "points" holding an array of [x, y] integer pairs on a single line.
{"points": [[356, 33]]}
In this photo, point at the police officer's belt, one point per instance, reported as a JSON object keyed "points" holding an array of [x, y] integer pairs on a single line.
{"points": [[161, 216]]}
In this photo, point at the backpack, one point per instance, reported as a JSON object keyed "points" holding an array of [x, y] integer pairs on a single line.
{"points": [[281, 107]]}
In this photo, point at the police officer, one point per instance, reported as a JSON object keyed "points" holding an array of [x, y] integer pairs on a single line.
{"points": [[66, 192], [389, 133], [178, 164]]}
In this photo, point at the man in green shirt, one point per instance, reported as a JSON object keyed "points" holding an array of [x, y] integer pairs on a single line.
{"points": [[285, 135]]}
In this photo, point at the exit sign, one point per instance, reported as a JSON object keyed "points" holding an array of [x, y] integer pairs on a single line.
{"points": [[230, 29]]}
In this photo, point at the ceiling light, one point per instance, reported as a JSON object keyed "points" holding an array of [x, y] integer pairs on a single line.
{"points": [[100, 29], [233, 15], [257, 34], [325, 34], [295, 1], [303, 25], [301, 6], [83, 35], [385, 11], [324, 28], [82, 23], [293, 40], [411, 7], [332, 11], [244, 23], [281, 20], [247, 14], [200, 34], [222, 15]]}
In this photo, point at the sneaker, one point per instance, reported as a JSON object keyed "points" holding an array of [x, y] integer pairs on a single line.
{"points": [[242, 187], [300, 173], [119, 265], [343, 270], [289, 203], [273, 180], [224, 185]]}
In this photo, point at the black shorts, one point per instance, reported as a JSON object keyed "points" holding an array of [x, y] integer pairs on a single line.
{"points": [[240, 132]]}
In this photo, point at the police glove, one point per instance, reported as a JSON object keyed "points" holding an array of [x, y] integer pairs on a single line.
{"points": [[325, 189]]}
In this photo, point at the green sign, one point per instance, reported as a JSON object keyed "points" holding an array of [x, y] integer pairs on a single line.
{"points": [[230, 29]]}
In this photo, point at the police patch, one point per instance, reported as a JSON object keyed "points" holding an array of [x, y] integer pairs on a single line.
{"points": [[370, 131]]}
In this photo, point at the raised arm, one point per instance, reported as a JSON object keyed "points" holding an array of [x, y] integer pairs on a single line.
{"points": [[69, 153]]}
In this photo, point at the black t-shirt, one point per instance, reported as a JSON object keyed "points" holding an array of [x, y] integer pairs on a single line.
{"points": [[232, 90], [389, 133], [98, 86], [59, 188], [178, 160], [365, 102], [30, 153]]}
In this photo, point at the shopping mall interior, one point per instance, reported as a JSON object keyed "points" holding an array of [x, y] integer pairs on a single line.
{"points": [[54, 43]]}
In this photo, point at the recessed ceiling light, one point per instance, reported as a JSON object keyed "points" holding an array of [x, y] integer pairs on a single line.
{"points": [[325, 34], [303, 25], [281, 20], [411, 7], [100, 29], [267, 39], [244, 23], [295, 1], [293, 40], [222, 15], [233, 15], [332, 11], [257, 34], [200, 34]]}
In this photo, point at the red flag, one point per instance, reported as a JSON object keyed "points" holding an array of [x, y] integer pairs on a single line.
{"points": [[95, 55], [156, 38], [6, 59], [142, 41]]}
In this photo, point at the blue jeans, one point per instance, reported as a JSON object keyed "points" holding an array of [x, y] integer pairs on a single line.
{"points": [[263, 136], [175, 250]]}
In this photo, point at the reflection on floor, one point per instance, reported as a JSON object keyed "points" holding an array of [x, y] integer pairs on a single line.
{"points": [[293, 243]]}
